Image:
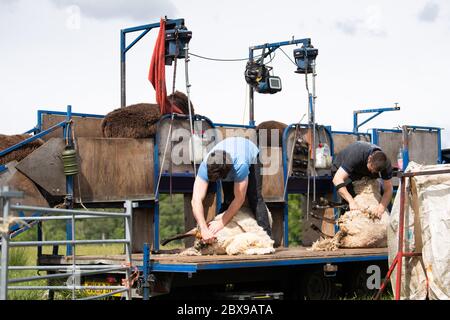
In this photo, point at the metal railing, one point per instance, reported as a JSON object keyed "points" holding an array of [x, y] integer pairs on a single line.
{"points": [[73, 271]]}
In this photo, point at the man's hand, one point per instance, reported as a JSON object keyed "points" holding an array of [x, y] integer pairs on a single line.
{"points": [[380, 210], [353, 205], [207, 235], [215, 226]]}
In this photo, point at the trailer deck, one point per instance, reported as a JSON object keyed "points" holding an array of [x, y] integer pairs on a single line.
{"points": [[163, 262]]}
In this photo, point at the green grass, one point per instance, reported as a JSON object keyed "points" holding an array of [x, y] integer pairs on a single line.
{"points": [[27, 256]]}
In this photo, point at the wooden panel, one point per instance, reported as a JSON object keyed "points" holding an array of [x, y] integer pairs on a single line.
{"points": [[142, 229], [341, 140], [83, 126], [281, 254], [44, 166], [209, 205], [19, 182], [248, 133], [423, 140], [176, 158], [418, 141], [115, 169], [272, 171], [390, 143], [277, 224]]}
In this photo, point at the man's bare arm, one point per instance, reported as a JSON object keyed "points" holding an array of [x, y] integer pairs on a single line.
{"points": [[240, 191], [340, 177], [387, 196], [198, 195]]}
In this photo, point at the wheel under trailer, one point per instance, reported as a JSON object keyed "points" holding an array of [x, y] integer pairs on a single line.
{"points": [[289, 273]]}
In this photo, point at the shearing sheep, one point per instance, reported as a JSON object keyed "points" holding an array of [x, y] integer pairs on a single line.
{"points": [[359, 228], [242, 235]]}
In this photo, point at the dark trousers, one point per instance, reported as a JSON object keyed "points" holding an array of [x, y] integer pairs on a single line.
{"points": [[254, 196]]}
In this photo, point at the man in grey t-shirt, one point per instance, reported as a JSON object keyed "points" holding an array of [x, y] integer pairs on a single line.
{"points": [[362, 159]]}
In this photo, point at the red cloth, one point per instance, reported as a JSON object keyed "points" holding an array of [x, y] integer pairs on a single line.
{"points": [[157, 72]]}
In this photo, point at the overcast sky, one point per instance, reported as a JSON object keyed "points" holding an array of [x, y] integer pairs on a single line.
{"points": [[371, 54]]}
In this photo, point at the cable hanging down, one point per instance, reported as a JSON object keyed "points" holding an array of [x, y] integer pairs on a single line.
{"points": [[220, 59]]}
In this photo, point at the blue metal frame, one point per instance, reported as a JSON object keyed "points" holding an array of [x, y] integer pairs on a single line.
{"points": [[230, 125], [31, 139], [38, 134], [124, 48], [193, 268], [146, 271], [40, 113], [377, 112], [271, 48]]}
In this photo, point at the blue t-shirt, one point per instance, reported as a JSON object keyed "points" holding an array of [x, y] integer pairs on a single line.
{"points": [[243, 153]]}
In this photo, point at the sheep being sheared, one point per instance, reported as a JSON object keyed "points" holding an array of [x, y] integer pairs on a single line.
{"points": [[242, 235], [359, 228]]}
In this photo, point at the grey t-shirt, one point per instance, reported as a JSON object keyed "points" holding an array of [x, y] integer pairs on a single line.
{"points": [[353, 159]]}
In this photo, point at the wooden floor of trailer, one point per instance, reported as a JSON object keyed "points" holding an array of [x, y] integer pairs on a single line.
{"points": [[295, 255]]}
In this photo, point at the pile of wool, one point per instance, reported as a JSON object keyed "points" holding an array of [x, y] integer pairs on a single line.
{"points": [[7, 141], [271, 127], [242, 235], [359, 228], [139, 120]]}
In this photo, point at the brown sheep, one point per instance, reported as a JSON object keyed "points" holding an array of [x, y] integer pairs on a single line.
{"points": [[7, 141], [139, 120]]}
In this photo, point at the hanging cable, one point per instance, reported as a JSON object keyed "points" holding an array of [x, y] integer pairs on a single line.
{"points": [[188, 92], [220, 59], [288, 56], [291, 155]]}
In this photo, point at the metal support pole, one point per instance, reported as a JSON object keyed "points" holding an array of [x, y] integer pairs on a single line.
{"points": [[73, 255], [146, 271], [122, 69], [405, 147], [69, 180], [188, 92], [400, 238], [128, 245], [39, 238], [4, 256], [251, 93], [313, 116], [251, 105]]}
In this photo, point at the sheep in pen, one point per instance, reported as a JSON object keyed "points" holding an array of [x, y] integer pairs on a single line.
{"points": [[140, 120], [7, 141], [359, 228], [242, 235]]}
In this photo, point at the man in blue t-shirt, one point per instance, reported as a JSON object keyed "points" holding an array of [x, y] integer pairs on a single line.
{"points": [[235, 161]]}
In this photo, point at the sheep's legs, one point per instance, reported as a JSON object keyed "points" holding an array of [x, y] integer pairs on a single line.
{"points": [[190, 233]]}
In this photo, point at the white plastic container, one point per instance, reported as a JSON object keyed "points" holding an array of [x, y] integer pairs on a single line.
{"points": [[323, 156], [199, 145], [400, 159]]}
